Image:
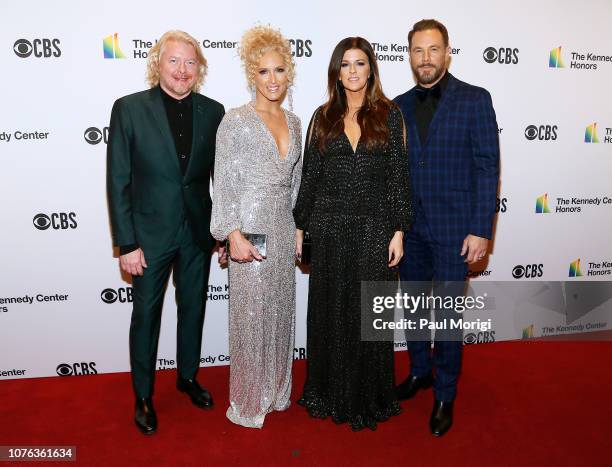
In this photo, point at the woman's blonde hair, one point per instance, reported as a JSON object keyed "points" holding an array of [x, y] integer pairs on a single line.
{"points": [[259, 40], [156, 52]]}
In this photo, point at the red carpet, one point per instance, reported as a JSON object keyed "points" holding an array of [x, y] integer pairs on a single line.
{"points": [[520, 403]]}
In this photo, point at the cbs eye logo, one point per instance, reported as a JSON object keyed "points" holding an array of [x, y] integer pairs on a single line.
{"points": [[470, 338], [57, 221], [23, 48], [122, 294], [518, 272], [64, 369], [41, 48], [42, 221], [108, 296], [94, 136]]}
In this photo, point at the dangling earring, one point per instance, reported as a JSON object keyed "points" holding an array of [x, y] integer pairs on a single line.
{"points": [[290, 97], [253, 90]]}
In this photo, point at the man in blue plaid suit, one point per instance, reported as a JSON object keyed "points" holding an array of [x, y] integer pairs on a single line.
{"points": [[453, 147]]}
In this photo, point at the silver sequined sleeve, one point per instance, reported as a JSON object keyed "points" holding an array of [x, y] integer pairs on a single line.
{"points": [[226, 194]]}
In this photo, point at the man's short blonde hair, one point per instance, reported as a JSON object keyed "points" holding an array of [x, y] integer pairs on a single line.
{"points": [[157, 50], [259, 40]]}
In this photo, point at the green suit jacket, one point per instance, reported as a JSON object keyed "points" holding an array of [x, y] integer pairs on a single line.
{"points": [[148, 196]]}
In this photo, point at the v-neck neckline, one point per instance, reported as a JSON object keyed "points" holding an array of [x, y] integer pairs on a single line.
{"points": [[289, 143], [348, 140]]}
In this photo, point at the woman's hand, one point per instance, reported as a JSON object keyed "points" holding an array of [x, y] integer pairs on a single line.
{"points": [[396, 249], [299, 240], [241, 250]]}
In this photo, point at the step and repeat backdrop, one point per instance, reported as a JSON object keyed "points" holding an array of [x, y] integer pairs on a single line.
{"points": [[64, 305]]}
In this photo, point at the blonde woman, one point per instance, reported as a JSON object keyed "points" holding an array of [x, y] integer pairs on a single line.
{"points": [[257, 170]]}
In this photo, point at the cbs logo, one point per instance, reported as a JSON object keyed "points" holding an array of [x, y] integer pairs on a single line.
{"points": [[541, 132], [301, 48], [483, 337], [528, 272], [57, 221], [503, 55], [41, 48], [122, 294], [76, 369], [93, 135]]}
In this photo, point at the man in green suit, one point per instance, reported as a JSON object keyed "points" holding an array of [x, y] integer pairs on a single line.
{"points": [[160, 155]]}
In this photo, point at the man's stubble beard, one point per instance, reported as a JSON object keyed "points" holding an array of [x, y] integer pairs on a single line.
{"points": [[432, 77]]}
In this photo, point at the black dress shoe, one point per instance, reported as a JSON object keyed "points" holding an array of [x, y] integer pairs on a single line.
{"points": [[145, 418], [441, 417], [199, 396], [410, 386]]}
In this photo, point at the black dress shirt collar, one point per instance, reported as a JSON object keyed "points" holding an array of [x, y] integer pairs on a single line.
{"points": [[427, 104], [435, 91], [168, 99]]}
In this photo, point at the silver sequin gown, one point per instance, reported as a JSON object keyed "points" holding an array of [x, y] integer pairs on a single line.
{"points": [[255, 191]]}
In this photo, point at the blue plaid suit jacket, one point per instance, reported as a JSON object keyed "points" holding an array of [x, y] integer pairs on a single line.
{"points": [[455, 172]]}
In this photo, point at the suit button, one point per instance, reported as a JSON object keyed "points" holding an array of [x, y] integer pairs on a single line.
{"points": [[421, 164], [183, 156], [187, 186]]}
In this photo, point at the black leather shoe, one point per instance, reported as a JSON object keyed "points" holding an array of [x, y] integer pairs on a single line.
{"points": [[411, 385], [145, 418], [199, 396], [441, 417]]}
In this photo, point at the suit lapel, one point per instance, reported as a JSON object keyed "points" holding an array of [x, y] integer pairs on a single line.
{"points": [[413, 132], [159, 114], [448, 96], [200, 118]]}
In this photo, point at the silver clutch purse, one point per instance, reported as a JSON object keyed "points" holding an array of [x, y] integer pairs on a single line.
{"points": [[258, 241]]}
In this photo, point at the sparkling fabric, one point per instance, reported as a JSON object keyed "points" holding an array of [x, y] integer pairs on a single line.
{"points": [[254, 192], [351, 203]]}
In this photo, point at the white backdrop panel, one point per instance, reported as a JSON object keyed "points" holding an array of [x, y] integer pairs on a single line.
{"points": [[70, 88]]}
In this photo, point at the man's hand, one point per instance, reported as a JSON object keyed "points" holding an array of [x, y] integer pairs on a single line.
{"points": [[475, 248], [222, 250], [396, 249], [241, 250], [133, 262]]}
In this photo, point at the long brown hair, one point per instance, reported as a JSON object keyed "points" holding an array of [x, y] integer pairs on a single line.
{"points": [[371, 117]]}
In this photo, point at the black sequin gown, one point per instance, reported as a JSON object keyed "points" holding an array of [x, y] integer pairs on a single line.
{"points": [[351, 203]]}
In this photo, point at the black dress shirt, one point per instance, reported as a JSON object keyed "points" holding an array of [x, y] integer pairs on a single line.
{"points": [[427, 100], [180, 120]]}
